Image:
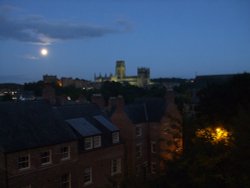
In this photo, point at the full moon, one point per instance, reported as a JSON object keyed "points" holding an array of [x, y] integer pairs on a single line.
{"points": [[44, 52]]}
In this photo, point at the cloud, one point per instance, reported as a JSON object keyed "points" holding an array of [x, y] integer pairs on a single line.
{"points": [[35, 29], [31, 57]]}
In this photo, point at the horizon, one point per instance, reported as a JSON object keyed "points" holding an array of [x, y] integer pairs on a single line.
{"points": [[173, 39]]}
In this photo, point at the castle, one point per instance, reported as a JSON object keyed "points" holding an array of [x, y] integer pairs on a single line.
{"points": [[142, 79]]}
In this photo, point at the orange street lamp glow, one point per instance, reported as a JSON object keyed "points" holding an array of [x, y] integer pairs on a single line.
{"points": [[214, 135]]}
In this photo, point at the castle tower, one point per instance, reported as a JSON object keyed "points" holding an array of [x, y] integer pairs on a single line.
{"points": [[120, 69], [143, 77]]}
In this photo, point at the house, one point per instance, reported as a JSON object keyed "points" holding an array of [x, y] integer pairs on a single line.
{"points": [[67, 146], [152, 133]]}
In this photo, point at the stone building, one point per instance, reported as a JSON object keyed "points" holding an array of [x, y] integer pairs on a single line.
{"points": [[142, 79]]}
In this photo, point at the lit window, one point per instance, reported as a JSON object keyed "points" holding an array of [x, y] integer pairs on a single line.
{"points": [[97, 141], [23, 162], [87, 176], [116, 166], [153, 167], [88, 143], [45, 157], [115, 137], [153, 147], [138, 150], [138, 130], [65, 153], [66, 181]]}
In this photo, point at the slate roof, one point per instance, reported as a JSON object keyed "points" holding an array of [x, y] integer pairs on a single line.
{"points": [[78, 110], [146, 110], [107, 124], [31, 124], [83, 127]]}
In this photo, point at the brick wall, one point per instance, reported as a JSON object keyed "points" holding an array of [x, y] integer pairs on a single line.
{"points": [[38, 175]]}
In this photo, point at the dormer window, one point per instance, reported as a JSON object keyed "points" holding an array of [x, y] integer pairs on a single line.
{"points": [[88, 143], [115, 137], [97, 142]]}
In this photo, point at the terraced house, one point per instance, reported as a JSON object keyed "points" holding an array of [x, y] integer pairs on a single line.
{"points": [[66, 146]]}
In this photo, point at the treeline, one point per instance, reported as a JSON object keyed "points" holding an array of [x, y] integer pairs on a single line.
{"points": [[107, 89], [219, 155]]}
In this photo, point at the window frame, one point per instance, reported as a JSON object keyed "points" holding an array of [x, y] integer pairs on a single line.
{"points": [[138, 130], [90, 141], [153, 146], [67, 181], [44, 157], [97, 144], [116, 166], [138, 151], [20, 163], [115, 137], [65, 155], [153, 167], [87, 174]]}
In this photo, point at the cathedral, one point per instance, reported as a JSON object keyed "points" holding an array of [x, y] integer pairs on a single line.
{"points": [[142, 79]]}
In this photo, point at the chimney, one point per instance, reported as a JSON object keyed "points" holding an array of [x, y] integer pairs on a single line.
{"points": [[98, 100], [116, 103], [112, 103], [49, 94], [120, 103]]}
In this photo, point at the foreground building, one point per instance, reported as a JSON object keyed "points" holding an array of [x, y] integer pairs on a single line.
{"points": [[66, 146], [151, 130]]}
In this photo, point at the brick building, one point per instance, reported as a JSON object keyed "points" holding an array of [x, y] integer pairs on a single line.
{"points": [[151, 130], [66, 146]]}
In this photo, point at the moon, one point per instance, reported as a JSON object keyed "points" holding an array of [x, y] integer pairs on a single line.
{"points": [[44, 52]]}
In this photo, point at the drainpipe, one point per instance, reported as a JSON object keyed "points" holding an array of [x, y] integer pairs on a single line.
{"points": [[5, 170]]}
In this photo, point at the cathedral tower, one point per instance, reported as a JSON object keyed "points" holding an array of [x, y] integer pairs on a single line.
{"points": [[120, 69]]}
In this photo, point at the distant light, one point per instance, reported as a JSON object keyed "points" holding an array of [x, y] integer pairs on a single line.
{"points": [[215, 135], [44, 52]]}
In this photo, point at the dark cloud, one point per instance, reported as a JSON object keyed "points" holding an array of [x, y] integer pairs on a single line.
{"points": [[37, 30]]}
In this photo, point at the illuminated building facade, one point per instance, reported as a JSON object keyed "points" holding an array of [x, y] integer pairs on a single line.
{"points": [[142, 79]]}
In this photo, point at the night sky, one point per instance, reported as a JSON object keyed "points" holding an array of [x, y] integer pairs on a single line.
{"points": [[174, 38]]}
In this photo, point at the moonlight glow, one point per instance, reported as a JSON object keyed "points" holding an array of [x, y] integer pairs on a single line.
{"points": [[44, 52]]}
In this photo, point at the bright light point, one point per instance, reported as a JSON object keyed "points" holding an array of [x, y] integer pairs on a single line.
{"points": [[215, 135], [44, 52], [218, 130]]}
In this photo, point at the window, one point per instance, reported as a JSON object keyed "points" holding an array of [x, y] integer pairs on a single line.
{"points": [[88, 143], [138, 150], [115, 137], [116, 166], [45, 157], [87, 176], [66, 181], [153, 147], [153, 167], [65, 153], [97, 141], [23, 162], [138, 130]]}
